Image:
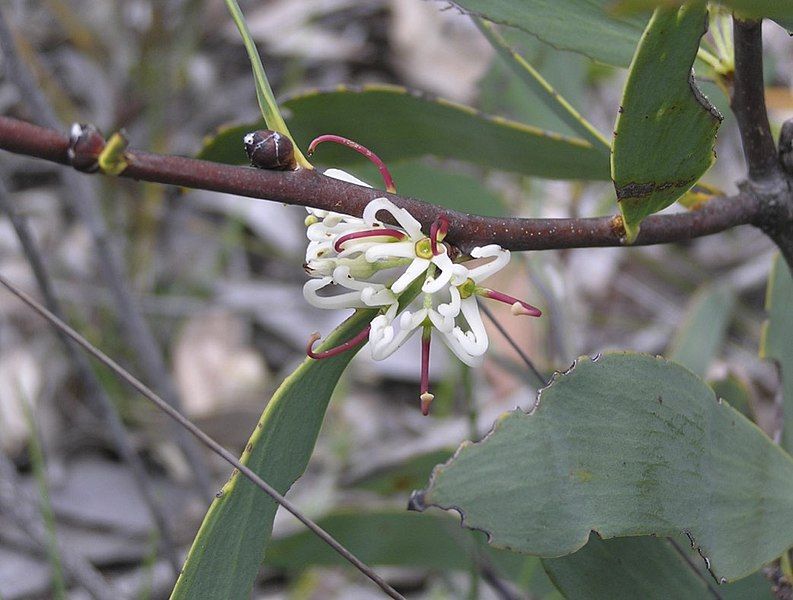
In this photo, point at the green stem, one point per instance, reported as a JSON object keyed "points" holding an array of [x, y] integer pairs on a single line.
{"points": [[264, 93]]}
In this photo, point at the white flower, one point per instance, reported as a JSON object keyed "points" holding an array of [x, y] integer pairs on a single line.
{"points": [[417, 248], [357, 257]]}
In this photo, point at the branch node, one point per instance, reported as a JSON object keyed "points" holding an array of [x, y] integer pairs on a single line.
{"points": [[86, 144]]}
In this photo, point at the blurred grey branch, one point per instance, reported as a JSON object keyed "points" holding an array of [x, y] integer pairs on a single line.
{"points": [[83, 199], [94, 391]]}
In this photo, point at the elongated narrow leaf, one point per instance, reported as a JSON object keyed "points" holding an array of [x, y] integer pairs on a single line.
{"points": [[264, 93], [625, 445], [702, 332], [755, 9], [584, 26], [666, 127], [230, 545], [399, 124], [530, 76], [777, 339]]}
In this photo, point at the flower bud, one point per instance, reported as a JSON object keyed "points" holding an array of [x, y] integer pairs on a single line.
{"points": [[268, 149]]}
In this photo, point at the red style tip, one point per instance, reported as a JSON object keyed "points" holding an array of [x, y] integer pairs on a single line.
{"points": [[373, 158], [518, 307], [335, 351]]}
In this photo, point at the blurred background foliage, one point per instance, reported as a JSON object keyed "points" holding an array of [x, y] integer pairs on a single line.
{"points": [[219, 279]]}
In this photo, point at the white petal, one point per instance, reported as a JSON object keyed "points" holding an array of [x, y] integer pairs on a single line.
{"points": [[386, 337], [416, 268], [460, 352], [403, 217], [391, 250], [442, 323], [344, 176], [436, 284], [475, 340], [339, 301], [341, 276], [372, 296], [500, 260], [451, 309]]}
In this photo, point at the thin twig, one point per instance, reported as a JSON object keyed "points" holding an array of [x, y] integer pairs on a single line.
{"points": [[198, 433], [524, 357], [20, 505], [310, 188], [88, 378], [85, 202], [748, 100]]}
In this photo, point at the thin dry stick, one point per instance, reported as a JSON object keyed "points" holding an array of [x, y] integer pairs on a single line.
{"points": [[95, 392], [202, 437], [20, 506], [524, 357], [85, 202]]}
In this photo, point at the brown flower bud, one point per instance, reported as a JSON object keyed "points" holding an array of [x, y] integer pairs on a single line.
{"points": [[270, 150], [85, 146]]}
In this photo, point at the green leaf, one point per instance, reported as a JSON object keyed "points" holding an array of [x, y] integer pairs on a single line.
{"points": [[264, 93], [229, 548], [756, 9], [541, 88], [389, 537], [775, 342], [734, 390], [584, 26], [398, 124], [666, 128], [625, 445], [631, 567], [441, 185], [647, 568], [702, 332], [403, 476]]}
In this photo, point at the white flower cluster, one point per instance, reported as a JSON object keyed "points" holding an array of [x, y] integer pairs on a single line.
{"points": [[370, 264]]}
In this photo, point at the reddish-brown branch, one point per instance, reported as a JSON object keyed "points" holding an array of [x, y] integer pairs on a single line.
{"points": [[310, 188], [747, 100]]}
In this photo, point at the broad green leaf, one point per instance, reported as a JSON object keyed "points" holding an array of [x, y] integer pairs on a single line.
{"points": [[541, 88], [702, 332], [644, 567], [264, 93], [756, 9], [666, 129], [584, 26], [404, 476], [777, 340], [398, 124], [229, 548], [631, 567], [405, 539], [439, 184], [390, 537], [625, 445], [734, 390]]}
